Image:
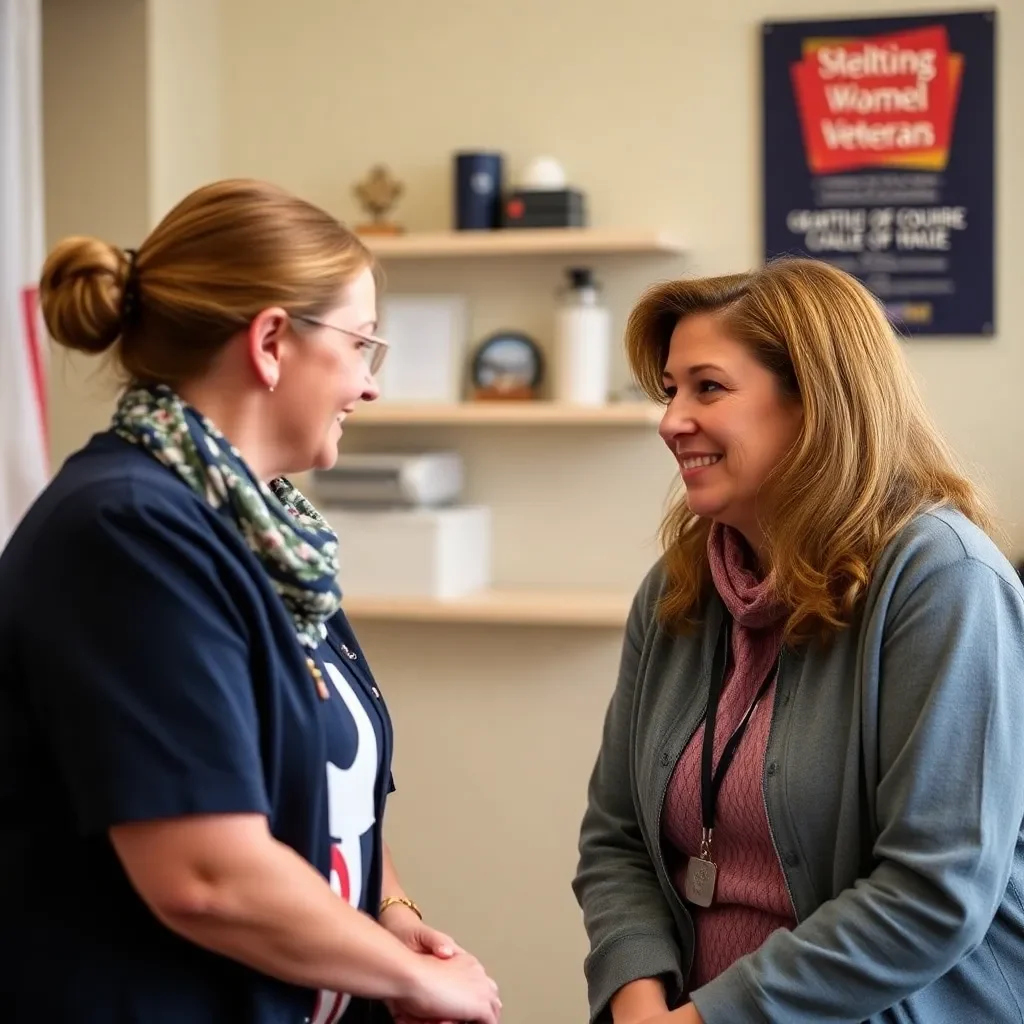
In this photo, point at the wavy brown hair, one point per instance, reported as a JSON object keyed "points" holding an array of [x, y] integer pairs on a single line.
{"points": [[868, 457]]}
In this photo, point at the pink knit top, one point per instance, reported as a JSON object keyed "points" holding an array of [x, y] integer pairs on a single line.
{"points": [[751, 900]]}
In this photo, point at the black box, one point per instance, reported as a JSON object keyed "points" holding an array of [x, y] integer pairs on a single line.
{"points": [[545, 208]]}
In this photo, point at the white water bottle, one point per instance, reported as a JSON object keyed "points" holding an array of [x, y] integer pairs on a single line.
{"points": [[582, 343]]}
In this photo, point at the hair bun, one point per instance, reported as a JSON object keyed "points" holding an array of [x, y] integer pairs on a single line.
{"points": [[81, 291]]}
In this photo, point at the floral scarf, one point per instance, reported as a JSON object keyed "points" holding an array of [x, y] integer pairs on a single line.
{"points": [[294, 544]]}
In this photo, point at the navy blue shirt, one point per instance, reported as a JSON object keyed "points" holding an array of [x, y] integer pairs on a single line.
{"points": [[149, 671]]}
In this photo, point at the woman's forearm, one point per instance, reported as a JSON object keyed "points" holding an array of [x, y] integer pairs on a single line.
{"points": [[283, 920], [258, 902], [638, 1001]]}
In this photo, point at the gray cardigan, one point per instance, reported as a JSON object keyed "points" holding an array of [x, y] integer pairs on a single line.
{"points": [[894, 785]]}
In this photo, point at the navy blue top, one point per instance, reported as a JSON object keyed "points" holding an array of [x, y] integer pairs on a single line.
{"points": [[148, 670]]}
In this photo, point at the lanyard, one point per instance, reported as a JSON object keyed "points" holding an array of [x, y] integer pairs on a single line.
{"points": [[702, 872]]}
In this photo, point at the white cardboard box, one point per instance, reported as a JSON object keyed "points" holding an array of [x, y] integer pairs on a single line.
{"points": [[416, 552]]}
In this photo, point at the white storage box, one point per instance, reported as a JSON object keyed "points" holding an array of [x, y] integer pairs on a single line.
{"points": [[414, 552]]}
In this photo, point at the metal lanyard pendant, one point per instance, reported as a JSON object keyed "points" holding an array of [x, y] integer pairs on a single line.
{"points": [[701, 874]]}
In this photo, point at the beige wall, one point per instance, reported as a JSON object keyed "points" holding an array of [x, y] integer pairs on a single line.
{"points": [[131, 109], [653, 108], [96, 165], [184, 129]]}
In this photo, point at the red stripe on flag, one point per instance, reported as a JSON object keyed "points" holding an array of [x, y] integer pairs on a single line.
{"points": [[29, 310]]}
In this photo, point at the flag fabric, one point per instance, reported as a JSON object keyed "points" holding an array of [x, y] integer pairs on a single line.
{"points": [[24, 467]]}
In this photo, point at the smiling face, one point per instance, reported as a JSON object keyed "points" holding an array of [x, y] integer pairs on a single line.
{"points": [[324, 374], [727, 423]]}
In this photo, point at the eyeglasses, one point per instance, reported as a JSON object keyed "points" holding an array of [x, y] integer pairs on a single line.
{"points": [[373, 349]]}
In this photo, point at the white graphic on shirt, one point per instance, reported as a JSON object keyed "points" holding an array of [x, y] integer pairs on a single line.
{"points": [[351, 813]]}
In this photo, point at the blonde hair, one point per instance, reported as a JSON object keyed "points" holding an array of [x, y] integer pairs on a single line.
{"points": [[225, 252], [868, 457]]}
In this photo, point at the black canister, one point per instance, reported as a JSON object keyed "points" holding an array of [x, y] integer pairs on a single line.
{"points": [[478, 191]]}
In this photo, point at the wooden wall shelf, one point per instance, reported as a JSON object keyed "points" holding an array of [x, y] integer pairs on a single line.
{"points": [[546, 607], [511, 413], [523, 242], [588, 608]]}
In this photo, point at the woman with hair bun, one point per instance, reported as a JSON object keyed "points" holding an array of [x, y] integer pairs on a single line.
{"points": [[808, 798], [193, 750]]}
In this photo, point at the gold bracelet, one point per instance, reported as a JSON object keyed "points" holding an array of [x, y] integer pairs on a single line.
{"points": [[404, 901]]}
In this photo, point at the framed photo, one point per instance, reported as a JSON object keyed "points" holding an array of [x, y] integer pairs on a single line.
{"points": [[426, 335]]}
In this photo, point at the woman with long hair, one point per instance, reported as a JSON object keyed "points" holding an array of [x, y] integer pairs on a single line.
{"points": [[808, 798]]}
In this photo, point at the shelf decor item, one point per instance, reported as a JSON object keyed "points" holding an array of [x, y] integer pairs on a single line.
{"points": [[508, 365], [583, 342], [427, 339], [479, 181], [544, 199], [427, 554], [377, 194]]}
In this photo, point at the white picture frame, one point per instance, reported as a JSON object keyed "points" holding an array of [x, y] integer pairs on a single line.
{"points": [[427, 337]]}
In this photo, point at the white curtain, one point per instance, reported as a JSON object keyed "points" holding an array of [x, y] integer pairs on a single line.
{"points": [[23, 445]]}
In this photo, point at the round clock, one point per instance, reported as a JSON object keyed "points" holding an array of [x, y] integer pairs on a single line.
{"points": [[507, 364]]}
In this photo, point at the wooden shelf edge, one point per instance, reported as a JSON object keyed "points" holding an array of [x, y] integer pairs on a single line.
{"points": [[588, 608], [526, 413], [523, 242]]}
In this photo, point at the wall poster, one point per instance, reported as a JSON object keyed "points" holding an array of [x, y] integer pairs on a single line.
{"points": [[879, 157]]}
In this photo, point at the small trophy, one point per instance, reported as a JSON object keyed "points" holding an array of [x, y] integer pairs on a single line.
{"points": [[377, 193]]}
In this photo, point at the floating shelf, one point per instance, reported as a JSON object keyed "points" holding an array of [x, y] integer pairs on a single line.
{"points": [[522, 242], [510, 413], [591, 608]]}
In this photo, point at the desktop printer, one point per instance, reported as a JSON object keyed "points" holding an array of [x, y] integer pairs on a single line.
{"points": [[402, 480]]}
